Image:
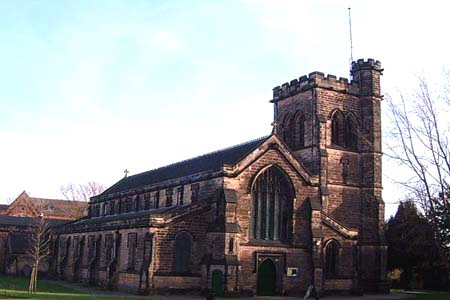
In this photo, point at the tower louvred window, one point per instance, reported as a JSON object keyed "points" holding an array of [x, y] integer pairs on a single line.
{"points": [[288, 131], [299, 138], [337, 129], [351, 137]]}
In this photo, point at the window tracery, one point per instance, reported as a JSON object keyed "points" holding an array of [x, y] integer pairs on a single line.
{"points": [[272, 196]]}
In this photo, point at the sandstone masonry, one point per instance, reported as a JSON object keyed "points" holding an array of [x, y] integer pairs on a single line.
{"points": [[271, 216]]}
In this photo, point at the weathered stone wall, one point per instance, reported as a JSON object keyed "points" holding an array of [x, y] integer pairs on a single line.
{"points": [[343, 185], [295, 253], [350, 179], [196, 226]]}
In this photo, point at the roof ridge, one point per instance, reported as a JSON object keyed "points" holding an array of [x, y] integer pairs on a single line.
{"points": [[211, 161], [62, 200], [203, 155]]}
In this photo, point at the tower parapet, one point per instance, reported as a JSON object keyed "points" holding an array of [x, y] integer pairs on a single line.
{"points": [[366, 74], [366, 81]]}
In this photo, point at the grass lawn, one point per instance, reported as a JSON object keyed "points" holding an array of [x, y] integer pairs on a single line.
{"points": [[13, 287], [425, 295]]}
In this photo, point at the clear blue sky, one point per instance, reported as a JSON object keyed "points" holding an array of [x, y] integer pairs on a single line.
{"points": [[89, 88]]}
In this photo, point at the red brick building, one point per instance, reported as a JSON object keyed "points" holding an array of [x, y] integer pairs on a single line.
{"points": [[301, 206], [17, 221], [52, 209]]}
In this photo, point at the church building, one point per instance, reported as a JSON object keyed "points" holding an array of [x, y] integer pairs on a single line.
{"points": [[299, 207]]}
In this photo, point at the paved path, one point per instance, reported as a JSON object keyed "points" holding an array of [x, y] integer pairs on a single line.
{"points": [[102, 292]]}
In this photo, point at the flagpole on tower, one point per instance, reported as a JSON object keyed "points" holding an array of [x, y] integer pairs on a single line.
{"points": [[351, 38]]}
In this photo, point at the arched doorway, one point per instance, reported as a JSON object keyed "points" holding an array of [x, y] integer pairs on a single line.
{"points": [[267, 278], [217, 282]]}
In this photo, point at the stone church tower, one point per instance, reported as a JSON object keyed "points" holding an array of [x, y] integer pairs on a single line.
{"points": [[270, 216], [333, 127]]}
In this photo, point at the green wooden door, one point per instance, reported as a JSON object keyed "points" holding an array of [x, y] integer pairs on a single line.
{"points": [[267, 278], [217, 282]]}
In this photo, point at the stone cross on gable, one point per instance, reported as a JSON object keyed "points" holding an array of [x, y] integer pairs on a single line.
{"points": [[126, 172]]}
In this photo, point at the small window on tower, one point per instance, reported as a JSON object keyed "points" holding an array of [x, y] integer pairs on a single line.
{"points": [[337, 129], [351, 137], [287, 131]]}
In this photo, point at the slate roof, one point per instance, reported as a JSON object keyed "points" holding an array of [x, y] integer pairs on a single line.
{"points": [[122, 216], [208, 162], [59, 208], [25, 221], [24, 205], [3, 208]]}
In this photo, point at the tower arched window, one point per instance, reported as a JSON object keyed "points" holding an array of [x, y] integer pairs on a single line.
{"points": [[287, 131], [351, 137], [272, 205], [337, 129], [299, 136], [331, 259], [182, 257]]}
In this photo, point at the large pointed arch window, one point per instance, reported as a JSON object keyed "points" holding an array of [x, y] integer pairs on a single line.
{"points": [[272, 197]]}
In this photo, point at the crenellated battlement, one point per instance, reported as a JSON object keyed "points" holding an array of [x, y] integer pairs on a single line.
{"points": [[314, 79], [318, 79], [369, 64]]}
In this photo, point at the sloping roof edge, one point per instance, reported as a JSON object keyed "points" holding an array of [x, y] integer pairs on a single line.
{"points": [[204, 163]]}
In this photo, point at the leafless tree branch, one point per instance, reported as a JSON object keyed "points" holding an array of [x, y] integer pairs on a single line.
{"points": [[419, 142]]}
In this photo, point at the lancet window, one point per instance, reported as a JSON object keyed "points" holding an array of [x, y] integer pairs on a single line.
{"points": [[351, 138], [337, 129], [331, 258], [182, 258], [299, 132]]}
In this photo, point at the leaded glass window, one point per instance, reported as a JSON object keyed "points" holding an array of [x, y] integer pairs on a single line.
{"points": [[272, 196]]}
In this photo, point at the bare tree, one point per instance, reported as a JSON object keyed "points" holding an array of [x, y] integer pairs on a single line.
{"points": [[419, 141], [79, 193], [38, 249]]}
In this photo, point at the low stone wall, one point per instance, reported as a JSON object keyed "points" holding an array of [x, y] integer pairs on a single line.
{"points": [[337, 284], [128, 282], [176, 282]]}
